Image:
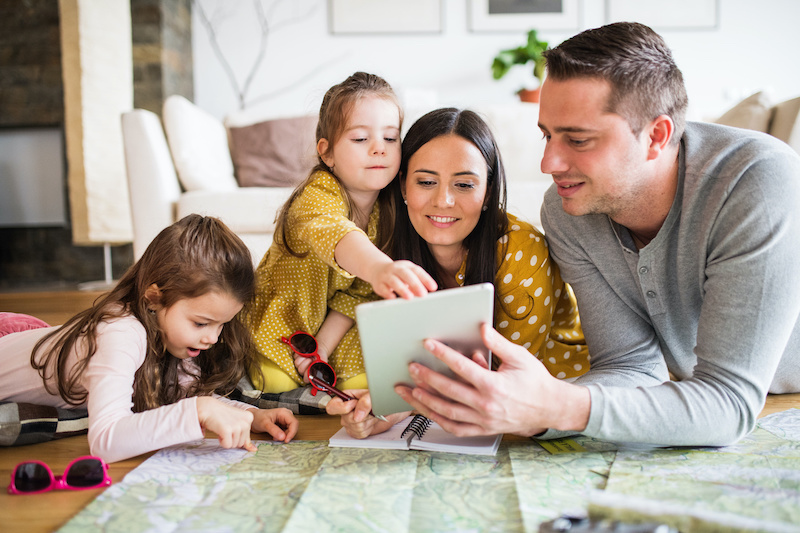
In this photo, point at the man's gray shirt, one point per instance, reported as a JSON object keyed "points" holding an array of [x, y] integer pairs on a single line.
{"points": [[715, 295]]}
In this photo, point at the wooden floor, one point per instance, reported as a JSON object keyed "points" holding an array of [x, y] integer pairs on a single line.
{"points": [[52, 306]]}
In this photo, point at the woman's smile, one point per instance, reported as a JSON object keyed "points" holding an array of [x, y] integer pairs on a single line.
{"points": [[442, 221], [445, 189]]}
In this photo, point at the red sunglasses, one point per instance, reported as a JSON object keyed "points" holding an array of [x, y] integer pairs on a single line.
{"points": [[33, 477], [320, 374]]}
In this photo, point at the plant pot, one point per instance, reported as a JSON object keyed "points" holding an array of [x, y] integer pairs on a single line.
{"points": [[529, 95]]}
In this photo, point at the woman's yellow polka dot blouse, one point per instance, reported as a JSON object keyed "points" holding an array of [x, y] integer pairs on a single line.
{"points": [[534, 307]]}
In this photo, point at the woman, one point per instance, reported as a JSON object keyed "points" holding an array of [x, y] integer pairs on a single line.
{"points": [[451, 219]]}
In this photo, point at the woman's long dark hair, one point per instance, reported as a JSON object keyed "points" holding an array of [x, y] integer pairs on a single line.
{"points": [[188, 259], [482, 242]]}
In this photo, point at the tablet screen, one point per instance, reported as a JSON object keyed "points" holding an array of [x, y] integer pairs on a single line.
{"points": [[392, 333]]}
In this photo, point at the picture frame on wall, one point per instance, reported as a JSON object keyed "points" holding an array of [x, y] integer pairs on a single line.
{"points": [[385, 16], [681, 14], [523, 15]]}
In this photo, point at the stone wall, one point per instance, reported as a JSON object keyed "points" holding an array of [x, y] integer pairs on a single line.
{"points": [[31, 94], [162, 51]]}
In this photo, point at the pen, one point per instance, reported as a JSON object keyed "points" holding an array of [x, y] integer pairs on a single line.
{"points": [[333, 391]]}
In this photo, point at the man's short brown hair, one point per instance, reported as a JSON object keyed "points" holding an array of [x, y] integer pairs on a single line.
{"points": [[635, 60]]}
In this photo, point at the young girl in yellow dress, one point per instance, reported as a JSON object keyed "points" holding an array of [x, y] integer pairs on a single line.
{"points": [[327, 255]]}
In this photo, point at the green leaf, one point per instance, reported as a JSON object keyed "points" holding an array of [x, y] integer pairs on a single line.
{"points": [[531, 52]]}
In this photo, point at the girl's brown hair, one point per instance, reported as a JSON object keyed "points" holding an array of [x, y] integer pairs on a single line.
{"points": [[188, 259], [333, 114]]}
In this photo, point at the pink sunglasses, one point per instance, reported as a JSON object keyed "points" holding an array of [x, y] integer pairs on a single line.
{"points": [[33, 477]]}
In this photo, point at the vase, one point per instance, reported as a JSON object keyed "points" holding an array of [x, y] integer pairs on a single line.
{"points": [[529, 95]]}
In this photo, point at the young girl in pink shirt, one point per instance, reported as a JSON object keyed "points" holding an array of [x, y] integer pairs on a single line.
{"points": [[153, 359]]}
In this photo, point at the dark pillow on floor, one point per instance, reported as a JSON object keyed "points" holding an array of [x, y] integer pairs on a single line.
{"points": [[27, 423]]}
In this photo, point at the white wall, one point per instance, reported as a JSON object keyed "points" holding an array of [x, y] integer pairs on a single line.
{"points": [[754, 47]]}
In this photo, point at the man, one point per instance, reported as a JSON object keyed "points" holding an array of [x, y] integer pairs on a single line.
{"points": [[682, 244]]}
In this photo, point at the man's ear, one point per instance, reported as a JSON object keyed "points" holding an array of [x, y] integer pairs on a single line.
{"points": [[153, 295], [660, 132], [323, 149]]}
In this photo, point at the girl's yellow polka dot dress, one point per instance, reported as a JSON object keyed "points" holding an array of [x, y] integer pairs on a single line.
{"points": [[295, 293]]}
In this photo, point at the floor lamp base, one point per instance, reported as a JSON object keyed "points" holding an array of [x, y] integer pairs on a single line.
{"points": [[105, 284]]}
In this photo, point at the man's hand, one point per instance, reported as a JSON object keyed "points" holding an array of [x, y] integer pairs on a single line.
{"points": [[521, 397]]}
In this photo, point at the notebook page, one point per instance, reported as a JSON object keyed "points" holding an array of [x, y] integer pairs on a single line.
{"points": [[437, 439], [390, 439]]}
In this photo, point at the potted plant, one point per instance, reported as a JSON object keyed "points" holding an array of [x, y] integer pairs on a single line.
{"points": [[531, 52]]}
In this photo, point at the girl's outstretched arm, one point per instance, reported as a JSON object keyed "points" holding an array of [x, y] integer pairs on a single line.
{"points": [[115, 431], [356, 254]]}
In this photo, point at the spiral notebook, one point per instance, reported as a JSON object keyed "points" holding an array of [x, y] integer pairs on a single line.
{"points": [[419, 433]]}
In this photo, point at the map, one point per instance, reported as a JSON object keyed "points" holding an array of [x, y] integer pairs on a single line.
{"points": [[753, 485], [308, 487]]}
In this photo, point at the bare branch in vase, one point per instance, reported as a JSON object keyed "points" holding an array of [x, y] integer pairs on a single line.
{"points": [[213, 23]]}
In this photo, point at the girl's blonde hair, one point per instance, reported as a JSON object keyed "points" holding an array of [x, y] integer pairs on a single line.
{"points": [[188, 259], [333, 114]]}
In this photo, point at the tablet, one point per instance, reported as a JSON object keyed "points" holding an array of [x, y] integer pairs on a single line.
{"points": [[392, 332]]}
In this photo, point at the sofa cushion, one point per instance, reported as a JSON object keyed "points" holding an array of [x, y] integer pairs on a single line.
{"points": [[786, 123], [274, 153], [248, 212], [752, 113], [199, 146]]}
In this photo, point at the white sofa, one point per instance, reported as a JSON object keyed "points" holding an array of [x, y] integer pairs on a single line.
{"points": [[194, 173], [158, 198], [204, 181]]}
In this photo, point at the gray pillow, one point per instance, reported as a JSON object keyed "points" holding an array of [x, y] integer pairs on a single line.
{"points": [[274, 153]]}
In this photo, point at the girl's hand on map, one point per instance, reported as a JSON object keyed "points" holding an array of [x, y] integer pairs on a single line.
{"points": [[280, 423], [356, 417], [231, 425]]}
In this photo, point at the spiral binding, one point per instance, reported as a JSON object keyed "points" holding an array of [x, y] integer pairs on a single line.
{"points": [[418, 426]]}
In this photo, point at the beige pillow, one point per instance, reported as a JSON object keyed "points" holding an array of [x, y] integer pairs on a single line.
{"points": [[274, 153], [786, 123], [199, 146], [752, 113]]}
